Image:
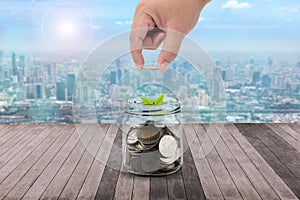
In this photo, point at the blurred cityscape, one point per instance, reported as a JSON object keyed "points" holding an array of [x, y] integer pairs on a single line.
{"points": [[259, 87]]}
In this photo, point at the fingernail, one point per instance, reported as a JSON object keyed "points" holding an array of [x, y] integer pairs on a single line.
{"points": [[139, 67], [163, 67]]}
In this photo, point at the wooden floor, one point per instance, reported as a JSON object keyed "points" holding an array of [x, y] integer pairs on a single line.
{"points": [[248, 161]]}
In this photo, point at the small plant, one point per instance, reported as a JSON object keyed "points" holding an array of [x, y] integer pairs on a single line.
{"points": [[157, 101]]}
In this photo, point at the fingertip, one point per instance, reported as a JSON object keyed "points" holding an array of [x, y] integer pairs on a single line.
{"points": [[163, 66], [139, 67]]}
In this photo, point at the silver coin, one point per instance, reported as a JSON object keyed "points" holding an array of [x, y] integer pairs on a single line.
{"points": [[132, 136], [144, 147], [134, 148], [168, 168], [170, 160], [148, 134], [167, 146]]}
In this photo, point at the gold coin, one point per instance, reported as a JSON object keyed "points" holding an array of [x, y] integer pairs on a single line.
{"points": [[148, 134]]}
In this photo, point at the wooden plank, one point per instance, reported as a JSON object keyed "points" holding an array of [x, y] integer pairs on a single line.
{"points": [[12, 152], [10, 133], [58, 183], [8, 128], [2, 127], [240, 179], [257, 179], [30, 160], [77, 178], [273, 161], [141, 188], [14, 159], [289, 156], [124, 186], [176, 187], [53, 158], [110, 175], [158, 188], [225, 181], [284, 133], [192, 188], [92, 181], [16, 137], [186, 184], [293, 132], [295, 126], [59, 176], [207, 178]]}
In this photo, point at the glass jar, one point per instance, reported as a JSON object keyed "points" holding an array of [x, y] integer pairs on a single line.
{"points": [[152, 137]]}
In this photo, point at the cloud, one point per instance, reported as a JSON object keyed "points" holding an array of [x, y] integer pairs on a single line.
{"points": [[127, 22], [234, 4], [293, 10]]}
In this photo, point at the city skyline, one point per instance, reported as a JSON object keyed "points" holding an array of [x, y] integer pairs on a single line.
{"points": [[258, 88]]}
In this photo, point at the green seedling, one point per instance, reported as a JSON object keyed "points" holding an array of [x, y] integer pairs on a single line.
{"points": [[150, 102]]}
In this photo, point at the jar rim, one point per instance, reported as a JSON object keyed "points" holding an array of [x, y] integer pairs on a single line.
{"points": [[135, 106]]}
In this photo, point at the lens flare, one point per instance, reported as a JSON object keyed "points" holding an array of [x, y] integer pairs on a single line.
{"points": [[67, 28]]}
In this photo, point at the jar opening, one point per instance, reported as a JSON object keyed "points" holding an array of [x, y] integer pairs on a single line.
{"points": [[135, 106]]}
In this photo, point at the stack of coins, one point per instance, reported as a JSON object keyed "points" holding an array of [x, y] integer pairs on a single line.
{"points": [[153, 149]]}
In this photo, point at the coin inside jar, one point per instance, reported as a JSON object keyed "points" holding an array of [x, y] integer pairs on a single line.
{"points": [[170, 160], [132, 136], [167, 146], [148, 134]]}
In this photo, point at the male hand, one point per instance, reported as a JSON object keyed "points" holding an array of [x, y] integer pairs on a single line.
{"points": [[167, 21]]}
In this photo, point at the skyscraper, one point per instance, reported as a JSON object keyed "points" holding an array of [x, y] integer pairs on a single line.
{"points": [[255, 78], [2, 73], [22, 64], [38, 91], [70, 86], [52, 72], [60, 91], [113, 77], [1, 56], [14, 64]]}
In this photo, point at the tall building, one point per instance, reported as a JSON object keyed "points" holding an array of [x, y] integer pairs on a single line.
{"points": [[266, 80], [113, 77], [277, 81], [14, 64], [255, 78], [22, 64], [270, 61], [1, 56], [39, 91], [1, 73], [60, 91], [52, 72], [70, 86]]}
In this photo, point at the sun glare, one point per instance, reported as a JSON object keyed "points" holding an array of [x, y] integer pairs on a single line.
{"points": [[67, 28]]}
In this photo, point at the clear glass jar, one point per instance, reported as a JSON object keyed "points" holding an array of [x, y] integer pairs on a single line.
{"points": [[152, 137]]}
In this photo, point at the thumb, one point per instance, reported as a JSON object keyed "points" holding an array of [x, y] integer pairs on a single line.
{"points": [[170, 49]]}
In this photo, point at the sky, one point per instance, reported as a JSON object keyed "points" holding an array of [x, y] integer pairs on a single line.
{"points": [[224, 25]]}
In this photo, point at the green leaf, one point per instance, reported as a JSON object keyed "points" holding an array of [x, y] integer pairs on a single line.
{"points": [[159, 100], [147, 101]]}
